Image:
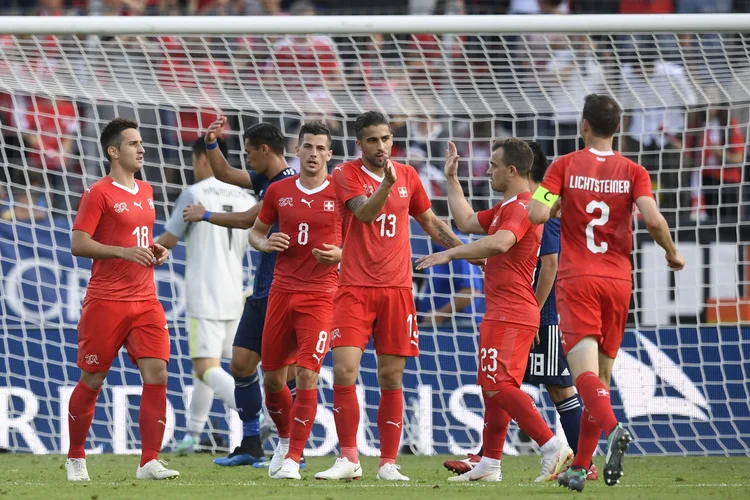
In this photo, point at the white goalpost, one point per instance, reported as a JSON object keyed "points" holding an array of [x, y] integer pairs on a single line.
{"points": [[681, 381]]}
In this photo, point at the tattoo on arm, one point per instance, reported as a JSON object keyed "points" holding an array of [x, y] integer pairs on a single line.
{"points": [[446, 239], [356, 202]]}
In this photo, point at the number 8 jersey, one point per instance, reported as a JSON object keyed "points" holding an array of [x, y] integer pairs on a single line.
{"points": [[597, 189], [115, 215], [310, 218]]}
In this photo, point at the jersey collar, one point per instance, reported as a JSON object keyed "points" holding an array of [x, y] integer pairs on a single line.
{"points": [[508, 201], [601, 153], [376, 177], [311, 191], [133, 191]]}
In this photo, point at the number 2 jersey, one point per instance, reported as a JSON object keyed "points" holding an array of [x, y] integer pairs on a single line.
{"points": [[115, 215], [597, 189], [310, 218], [378, 254]]}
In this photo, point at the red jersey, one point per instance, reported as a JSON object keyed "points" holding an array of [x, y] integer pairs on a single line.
{"points": [[310, 218], [379, 254], [118, 216], [508, 277], [598, 190]]}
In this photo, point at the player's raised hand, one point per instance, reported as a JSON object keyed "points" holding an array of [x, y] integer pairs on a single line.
{"points": [[676, 261], [277, 242], [556, 210], [160, 254], [193, 213], [389, 172], [433, 260], [330, 256], [216, 129], [451, 161], [139, 255]]}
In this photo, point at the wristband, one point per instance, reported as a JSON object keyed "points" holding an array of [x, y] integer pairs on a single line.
{"points": [[212, 145], [545, 196], [206, 215]]}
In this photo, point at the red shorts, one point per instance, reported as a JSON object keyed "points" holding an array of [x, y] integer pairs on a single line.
{"points": [[593, 307], [387, 314], [297, 329], [106, 325], [503, 353]]}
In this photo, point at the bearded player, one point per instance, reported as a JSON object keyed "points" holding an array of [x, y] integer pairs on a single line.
{"points": [[114, 227], [595, 189]]}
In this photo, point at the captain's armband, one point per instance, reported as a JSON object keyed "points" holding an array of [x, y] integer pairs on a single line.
{"points": [[543, 195]]}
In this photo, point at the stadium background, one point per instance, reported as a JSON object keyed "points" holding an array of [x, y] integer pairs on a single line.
{"points": [[682, 384]]}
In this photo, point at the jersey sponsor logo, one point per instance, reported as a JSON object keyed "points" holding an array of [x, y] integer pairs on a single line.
{"points": [[308, 203], [316, 358], [395, 424], [121, 207], [303, 422], [492, 377], [151, 203], [138, 204], [286, 201], [369, 190], [91, 359], [403, 192], [328, 205], [162, 422], [599, 158], [494, 221], [523, 205], [276, 412], [71, 417], [337, 409], [605, 186]]}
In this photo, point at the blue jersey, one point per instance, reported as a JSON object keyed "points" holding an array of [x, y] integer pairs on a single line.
{"points": [[266, 261], [550, 244]]}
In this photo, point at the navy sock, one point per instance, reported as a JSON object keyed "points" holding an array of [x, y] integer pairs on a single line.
{"points": [[570, 417], [249, 403]]}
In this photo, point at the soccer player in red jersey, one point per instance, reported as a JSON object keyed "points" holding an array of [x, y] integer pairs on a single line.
{"points": [[375, 197], [114, 227], [512, 318], [300, 303], [595, 188]]}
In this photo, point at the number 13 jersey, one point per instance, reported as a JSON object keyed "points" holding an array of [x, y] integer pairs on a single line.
{"points": [[598, 189], [115, 215], [310, 218]]}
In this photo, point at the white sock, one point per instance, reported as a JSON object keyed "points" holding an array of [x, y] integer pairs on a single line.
{"points": [[284, 444], [222, 383], [550, 446], [200, 404], [489, 463]]}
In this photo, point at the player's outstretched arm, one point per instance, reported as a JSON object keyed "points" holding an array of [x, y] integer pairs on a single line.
{"points": [[542, 205], [219, 165], [659, 230], [367, 209], [241, 220], [83, 245], [437, 229], [498, 243], [277, 242], [463, 214]]}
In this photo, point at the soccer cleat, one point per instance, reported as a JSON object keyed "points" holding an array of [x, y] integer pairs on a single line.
{"points": [[187, 445], [574, 479], [289, 470], [240, 456], [592, 475], [390, 472], [77, 470], [342, 469], [617, 444], [155, 469], [462, 466], [278, 459], [264, 464], [554, 460], [478, 473]]}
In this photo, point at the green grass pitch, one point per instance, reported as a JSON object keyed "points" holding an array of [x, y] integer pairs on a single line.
{"points": [[113, 477]]}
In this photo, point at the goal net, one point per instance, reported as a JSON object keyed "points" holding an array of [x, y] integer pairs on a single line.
{"points": [[680, 383]]}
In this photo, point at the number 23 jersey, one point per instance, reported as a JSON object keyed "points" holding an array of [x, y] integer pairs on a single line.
{"points": [[597, 189], [115, 215], [310, 218]]}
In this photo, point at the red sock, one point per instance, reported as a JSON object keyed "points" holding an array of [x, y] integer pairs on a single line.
{"points": [[390, 416], [496, 422], [152, 420], [522, 409], [80, 414], [346, 416], [279, 405], [303, 416], [588, 439], [595, 397]]}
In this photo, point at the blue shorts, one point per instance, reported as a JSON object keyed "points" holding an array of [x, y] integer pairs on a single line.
{"points": [[250, 330], [547, 364]]}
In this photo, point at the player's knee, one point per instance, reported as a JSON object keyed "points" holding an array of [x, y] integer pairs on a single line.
{"points": [[237, 369], [344, 374], [274, 381], [93, 380], [390, 378], [559, 393], [306, 379]]}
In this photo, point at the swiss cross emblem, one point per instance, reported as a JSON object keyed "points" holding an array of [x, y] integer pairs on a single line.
{"points": [[328, 205], [403, 193], [151, 203], [369, 190], [121, 207], [286, 202]]}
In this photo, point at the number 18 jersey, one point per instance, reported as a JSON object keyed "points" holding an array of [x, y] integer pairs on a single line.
{"points": [[597, 189]]}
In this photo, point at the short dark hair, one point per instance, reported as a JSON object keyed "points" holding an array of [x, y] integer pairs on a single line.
{"points": [[540, 164], [265, 133], [368, 119], [315, 128], [517, 153], [603, 114], [111, 134], [199, 146]]}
